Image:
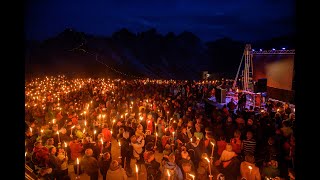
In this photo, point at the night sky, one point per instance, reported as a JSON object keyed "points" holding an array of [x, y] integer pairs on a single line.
{"points": [[245, 20]]}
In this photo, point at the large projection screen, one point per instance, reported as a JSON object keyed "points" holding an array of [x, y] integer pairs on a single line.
{"points": [[278, 69]]}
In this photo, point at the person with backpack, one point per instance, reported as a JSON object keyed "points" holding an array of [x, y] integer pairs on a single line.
{"points": [[170, 168], [152, 166]]}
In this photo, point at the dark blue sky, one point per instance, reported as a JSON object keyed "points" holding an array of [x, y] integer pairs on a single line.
{"points": [[209, 19]]}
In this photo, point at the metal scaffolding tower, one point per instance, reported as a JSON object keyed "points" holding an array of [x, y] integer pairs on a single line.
{"points": [[247, 72]]}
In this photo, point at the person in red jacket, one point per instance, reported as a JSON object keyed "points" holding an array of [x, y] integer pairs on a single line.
{"points": [[76, 149]]}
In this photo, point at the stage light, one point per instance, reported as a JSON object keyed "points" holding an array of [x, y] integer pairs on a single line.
{"points": [[260, 49], [252, 49], [273, 49], [283, 48]]}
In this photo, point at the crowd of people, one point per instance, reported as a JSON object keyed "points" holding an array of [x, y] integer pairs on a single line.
{"points": [[77, 121]]}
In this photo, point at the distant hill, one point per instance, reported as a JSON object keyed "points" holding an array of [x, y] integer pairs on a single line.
{"points": [[145, 54]]}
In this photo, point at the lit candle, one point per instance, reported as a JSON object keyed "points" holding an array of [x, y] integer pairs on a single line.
{"points": [[85, 123], [120, 149], [58, 136], [41, 132], [137, 172], [168, 172], [250, 169], [94, 134], [72, 128], [77, 166], [113, 123], [212, 150], [85, 117], [156, 138], [65, 148], [101, 145], [210, 176], [53, 121], [192, 176]]}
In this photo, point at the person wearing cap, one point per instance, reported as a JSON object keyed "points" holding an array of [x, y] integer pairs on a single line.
{"points": [[90, 164], [152, 166], [116, 172]]}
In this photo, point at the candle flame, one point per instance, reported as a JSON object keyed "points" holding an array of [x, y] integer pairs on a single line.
{"points": [[101, 141], [77, 161], [136, 168], [156, 134], [250, 167], [191, 175], [168, 172], [206, 158], [94, 131], [119, 143], [42, 130], [30, 129], [72, 127], [65, 144], [212, 144]]}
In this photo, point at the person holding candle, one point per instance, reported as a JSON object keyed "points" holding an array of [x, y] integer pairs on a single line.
{"points": [[53, 162], [170, 168], [104, 162], [202, 172], [90, 164], [138, 148], [248, 169], [63, 161], [75, 151], [182, 138]]}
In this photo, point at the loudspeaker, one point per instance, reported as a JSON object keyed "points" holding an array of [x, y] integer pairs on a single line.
{"points": [[221, 95], [261, 85]]}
